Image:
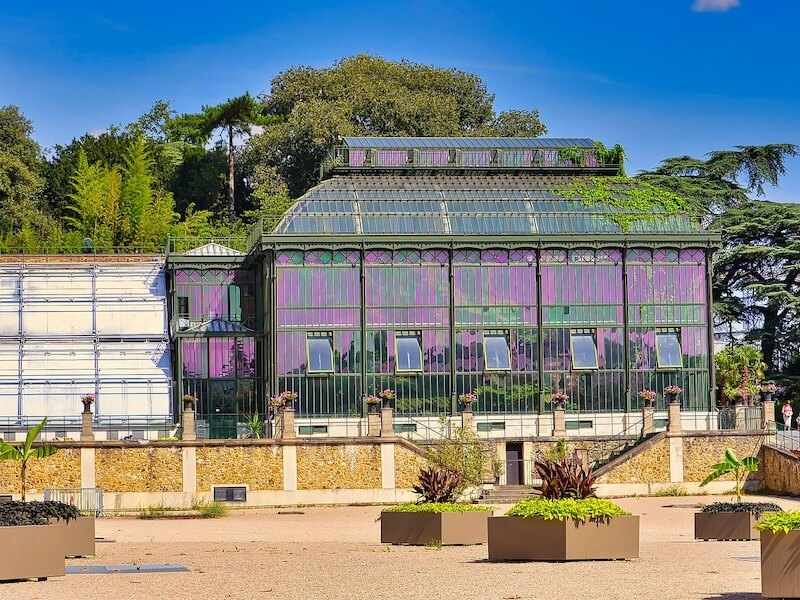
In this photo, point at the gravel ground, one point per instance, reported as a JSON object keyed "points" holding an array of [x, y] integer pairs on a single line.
{"points": [[335, 553]]}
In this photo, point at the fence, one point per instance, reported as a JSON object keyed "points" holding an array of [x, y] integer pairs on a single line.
{"points": [[89, 501]]}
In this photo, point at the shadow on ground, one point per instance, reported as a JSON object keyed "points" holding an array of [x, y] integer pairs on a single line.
{"points": [[735, 596]]}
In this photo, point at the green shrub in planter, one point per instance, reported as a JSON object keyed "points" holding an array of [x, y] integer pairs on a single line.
{"points": [[35, 513], [438, 507], [596, 510], [754, 508], [780, 521]]}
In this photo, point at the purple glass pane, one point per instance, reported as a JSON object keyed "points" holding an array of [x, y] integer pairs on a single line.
{"points": [[523, 256], [640, 255], [193, 354], [406, 257], [466, 257], [392, 158], [581, 284], [318, 257], [642, 349], [494, 256], [476, 158], [435, 353], [611, 255], [291, 352], [433, 158], [435, 257], [221, 354], [357, 158], [692, 255], [554, 256], [246, 357], [581, 255], [181, 276], [468, 351], [195, 276], [378, 257]]}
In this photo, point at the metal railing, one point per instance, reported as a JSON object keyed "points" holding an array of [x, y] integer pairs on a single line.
{"points": [[88, 501]]}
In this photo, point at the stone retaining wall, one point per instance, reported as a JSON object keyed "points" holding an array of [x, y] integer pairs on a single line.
{"points": [[781, 470], [258, 467]]}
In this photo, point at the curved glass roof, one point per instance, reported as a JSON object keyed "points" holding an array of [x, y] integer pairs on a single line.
{"points": [[466, 142], [458, 205]]}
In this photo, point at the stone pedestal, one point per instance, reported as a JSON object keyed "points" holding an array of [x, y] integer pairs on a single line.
{"points": [[188, 431], [559, 423], [674, 417], [740, 416], [768, 414], [287, 418], [387, 422], [87, 430], [647, 420], [466, 419], [373, 424]]}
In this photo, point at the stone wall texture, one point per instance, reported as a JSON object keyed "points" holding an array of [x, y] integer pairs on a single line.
{"points": [[139, 469], [700, 453], [259, 467], [61, 470], [407, 465], [650, 465], [781, 472], [326, 467]]}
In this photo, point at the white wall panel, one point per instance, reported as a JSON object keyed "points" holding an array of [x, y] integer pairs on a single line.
{"points": [[9, 287], [57, 283], [57, 318], [131, 318], [133, 360], [9, 318], [56, 361], [134, 398], [130, 280], [53, 399], [9, 361], [9, 396]]}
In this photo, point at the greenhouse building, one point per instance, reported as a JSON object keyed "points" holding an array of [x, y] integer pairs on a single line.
{"points": [[512, 268]]}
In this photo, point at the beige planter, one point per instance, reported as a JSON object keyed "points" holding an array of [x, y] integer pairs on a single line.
{"points": [[518, 538], [79, 537], [725, 526], [421, 528], [31, 552], [780, 564]]}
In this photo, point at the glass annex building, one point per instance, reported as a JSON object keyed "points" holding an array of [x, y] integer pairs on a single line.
{"points": [[436, 266]]}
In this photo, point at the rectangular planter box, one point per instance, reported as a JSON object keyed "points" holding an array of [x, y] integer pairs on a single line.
{"points": [[518, 538], [420, 529], [725, 526], [31, 552], [79, 537], [780, 564]]}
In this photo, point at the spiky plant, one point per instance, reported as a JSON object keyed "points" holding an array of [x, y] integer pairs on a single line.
{"points": [[438, 485], [25, 452], [566, 478]]}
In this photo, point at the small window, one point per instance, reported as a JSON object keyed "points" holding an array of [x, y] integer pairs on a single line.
{"points": [[319, 347], [668, 350], [496, 355], [583, 350], [183, 306], [408, 352]]}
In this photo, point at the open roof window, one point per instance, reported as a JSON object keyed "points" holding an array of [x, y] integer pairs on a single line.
{"points": [[668, 350], [408, 352], [496, 354], [319, 351], [583, 350]]}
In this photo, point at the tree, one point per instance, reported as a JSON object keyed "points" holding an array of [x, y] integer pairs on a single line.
{"points": [[714, 184], [26, 452], [740, 371], [731, 464], [757, 276], [236, 117], [370, 96]]}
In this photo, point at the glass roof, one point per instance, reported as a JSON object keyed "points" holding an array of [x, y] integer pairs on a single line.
{"points": [[458, 205], [466, 142]]}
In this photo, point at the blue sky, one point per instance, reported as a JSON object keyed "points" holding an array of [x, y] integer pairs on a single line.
{"points": [[662, 77]]}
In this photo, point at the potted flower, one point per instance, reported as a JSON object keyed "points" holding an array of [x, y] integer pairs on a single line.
{"points": [[388, 396], [727, 520], [740, 395], [780, 545], [567, 523], [436, 517], [468, 399], [767, 389], [559, 399], [648, 396], [189, 402], [372, 402], [283, 401], [88, 400], [671, 393]]}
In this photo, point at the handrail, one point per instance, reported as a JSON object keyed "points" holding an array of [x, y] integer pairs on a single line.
{"points": [[620, 442]]}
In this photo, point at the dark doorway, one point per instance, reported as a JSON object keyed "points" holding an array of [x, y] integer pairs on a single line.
{"points": [[514, 463]]}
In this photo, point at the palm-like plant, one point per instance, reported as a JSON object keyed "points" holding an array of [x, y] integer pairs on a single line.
{"points": [[25, 452], [731, 464], [739, 367]]}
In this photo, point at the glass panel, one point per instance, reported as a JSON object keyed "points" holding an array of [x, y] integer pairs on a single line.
{"points": [[408, 353], [320, 353], [583, 351], [496, 353], [668, 350]]}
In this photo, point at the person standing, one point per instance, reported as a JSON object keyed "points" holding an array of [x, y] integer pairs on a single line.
{"points": [[786, 411]]}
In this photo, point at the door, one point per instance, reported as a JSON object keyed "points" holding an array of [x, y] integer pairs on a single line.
{"points": [[514, 463]]}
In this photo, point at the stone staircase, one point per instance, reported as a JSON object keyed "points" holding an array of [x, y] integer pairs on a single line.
{"points": [[507, 494]]}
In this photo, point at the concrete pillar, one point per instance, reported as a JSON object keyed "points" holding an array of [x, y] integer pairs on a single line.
{"points": [[373, 424], [387, 422], [740, 416], [87, 428], [87, 467], [674, 417], [287, 431], [768, 414], [466, 419], [189, 456], [387, 467], [675, 459], [559, 423], [188, 431], [289, 468], [647, 420]]}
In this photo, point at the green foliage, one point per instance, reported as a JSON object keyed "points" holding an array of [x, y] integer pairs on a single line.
{"points": [[610, 156], [674, 489], [255, 426], [26, 451], [209, 509], [777, 522], [566, 478], [463, 451], [637, 200], [438, 485], [14, 514], [754, 508], [731, 464], [153, 511], [596, 510], [739, 368], [438, 507], [558, 451]]}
